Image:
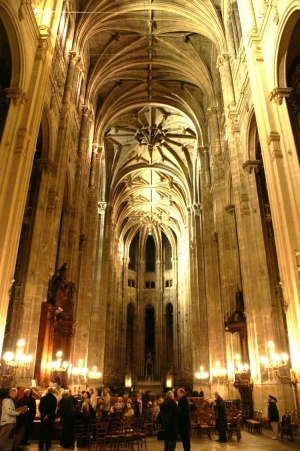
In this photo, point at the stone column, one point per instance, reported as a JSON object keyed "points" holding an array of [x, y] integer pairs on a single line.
{"points": [[19, 146]]}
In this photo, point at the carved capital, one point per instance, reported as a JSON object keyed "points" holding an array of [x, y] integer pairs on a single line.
{"points": [[249, 165], [17, 95], [229, 209], [101, 207], [87, 112], [211, 112], [278, 94], [52, 199], [197, 208], [244, 202], [43, 42], [274, 143], [45, 164]]}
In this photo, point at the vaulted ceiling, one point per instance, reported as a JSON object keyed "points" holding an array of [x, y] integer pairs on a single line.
{"points": [[151, 77]]}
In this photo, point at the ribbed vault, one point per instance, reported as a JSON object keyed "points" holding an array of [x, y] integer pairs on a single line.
{"points": [[151, 78]]}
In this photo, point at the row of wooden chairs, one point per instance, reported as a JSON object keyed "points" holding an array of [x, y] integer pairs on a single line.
{"points": [[203, 422], [115, 435], [255, 424]]}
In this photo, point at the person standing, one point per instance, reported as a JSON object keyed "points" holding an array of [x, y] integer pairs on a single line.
{"points": [[273, 416], [9, 416], [47, 408], [221, 418], [30, 419], [93, 398], [21, 420], [184, 420], [170, 414], [138, 406], [105, 401]]}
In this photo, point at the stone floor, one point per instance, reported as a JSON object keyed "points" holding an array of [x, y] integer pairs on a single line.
{"points": [[248, 442]]}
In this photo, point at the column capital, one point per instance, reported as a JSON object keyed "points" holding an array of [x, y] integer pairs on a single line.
{"points": [[278, 94], [45, 164], [249, 165], [18, 96], [102, 207], [274, 143]]}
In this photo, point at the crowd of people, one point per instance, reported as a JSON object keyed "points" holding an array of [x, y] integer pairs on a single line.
{"points": [[174, 416]]}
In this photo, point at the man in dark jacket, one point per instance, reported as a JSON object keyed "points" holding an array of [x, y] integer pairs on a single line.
{"points": [[47, 410], [221, 418], [184, 420], [170, 414]]}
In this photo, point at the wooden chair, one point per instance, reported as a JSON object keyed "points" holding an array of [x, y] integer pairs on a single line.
{"points": [[78, 432], [99, 437], [126, 434], [112, 434], [205, 425], [194, 423], [234, 427], [286, 427], [139, 433], [295, 423], [255, 424]]}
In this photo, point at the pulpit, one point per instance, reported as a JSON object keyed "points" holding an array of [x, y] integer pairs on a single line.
{"points": [[56, 328]]}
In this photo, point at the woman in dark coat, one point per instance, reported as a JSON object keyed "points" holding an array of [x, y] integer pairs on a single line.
{"points": [[221, 418], [273, 416], [67, 439], [30, 419], [170, 413]]}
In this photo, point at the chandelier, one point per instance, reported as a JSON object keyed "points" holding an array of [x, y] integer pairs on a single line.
{"points": [[19, 359]]}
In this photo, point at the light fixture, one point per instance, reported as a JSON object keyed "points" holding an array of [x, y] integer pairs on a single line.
{"points": [[219, 373], [274, 361], [239, 367], [94, 374], [202, 374], [80, 370], [19, 359], [58, 365]]}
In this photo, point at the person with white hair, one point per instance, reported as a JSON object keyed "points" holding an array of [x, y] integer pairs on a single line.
{"points": [[9, 416], [24, 401]]}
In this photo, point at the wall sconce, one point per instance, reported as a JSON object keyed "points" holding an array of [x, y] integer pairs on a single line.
{"points": [[94, 374], [80, 370], [20, 359], [219, 373], [202, 375], [275, 361], [240, 368], [57, 365]]}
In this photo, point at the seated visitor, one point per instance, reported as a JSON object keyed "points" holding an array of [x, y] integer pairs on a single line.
{"points": [[128, 410], [119, 405]]}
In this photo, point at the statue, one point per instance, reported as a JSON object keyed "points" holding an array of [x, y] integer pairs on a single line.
{"points": [[61, 294]]}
